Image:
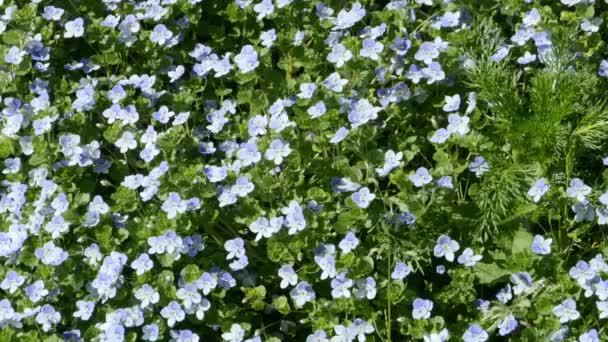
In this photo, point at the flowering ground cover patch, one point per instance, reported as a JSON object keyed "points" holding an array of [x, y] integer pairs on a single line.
{"points": [[303, 170]]}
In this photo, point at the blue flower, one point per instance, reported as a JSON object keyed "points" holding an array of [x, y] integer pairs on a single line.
{"points": [[539, 188], [339, 55], [160, 35], [248, 153], [302, 294], [603, 69], [427, 53], [479, 166], [52, 13], [340, 286], [421, 177], [433, 73], [527, 58], [268, 38], [507, 325], [346, 19], [578, 190], [452, 103], [74, 28], [446, 247], [288, 276], [36, 291], [440, 136], [49, 254], [458, 124], [361, 112], [371, 48], [392, 160], [363, 197], [85, 309], [247, 59], [317, 110], [566, 311], [14, 56], [365, 288], [475, 333], [349, 242], [422, 308], [173, 313], [12, 281], [126, 142], [216, 174], [277, 150], [589, 336], [340, 135], [541, 246], [307, 90], [522, 281], [400, 271], [263, 9], [173, 205], [294, 218], [468, 258], [334, 83]]}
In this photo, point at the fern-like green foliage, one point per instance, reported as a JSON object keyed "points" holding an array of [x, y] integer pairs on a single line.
{"points": [[540, 122]]}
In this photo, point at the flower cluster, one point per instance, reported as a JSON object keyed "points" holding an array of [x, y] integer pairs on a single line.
{"points": [[277, 170]]}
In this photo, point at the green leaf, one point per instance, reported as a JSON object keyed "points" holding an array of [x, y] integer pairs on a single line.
{"points": [[521, 241], [489, 273], [282, 305], [6, 147], [191, 273]]}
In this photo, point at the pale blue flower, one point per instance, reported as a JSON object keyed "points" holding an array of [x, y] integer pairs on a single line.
{"points": [[475, 333], [527, 58], [421, 177], [400, 271], [317, 110], [541, 246], [458, 124], [539, 189], [566, 311], [247, 59], [161, 34], [334, 82], [589, 336], [346, 19], [362, 111], [363, 197], [440, 136], [277, 150], [507, 325], [349, 242], [302, 294], [371, 48], [427, 53], [578, 190], [52, 13], [339, 55], [14, 55], [126, 142], [422, 308], [446, 247], [268, 38], [340, 135], [468, 258], [74, 28], [452, 103], [307, 90], [479, 166], [433, 73], [263, 9]]}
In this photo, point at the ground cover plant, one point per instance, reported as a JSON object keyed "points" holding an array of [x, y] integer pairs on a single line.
{"points": [[295, 170]]}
